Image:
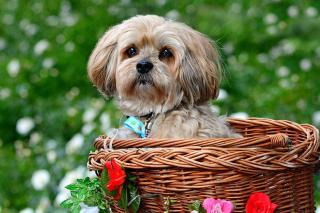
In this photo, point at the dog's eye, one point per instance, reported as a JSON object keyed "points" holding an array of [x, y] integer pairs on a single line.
{"points": [[131, 52], [165, 53]]}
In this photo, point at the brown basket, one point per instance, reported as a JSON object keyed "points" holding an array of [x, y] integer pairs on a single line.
{"points": [[276, 157]]}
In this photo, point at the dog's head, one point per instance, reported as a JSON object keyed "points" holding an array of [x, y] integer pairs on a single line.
{"points": [[152, 65]]}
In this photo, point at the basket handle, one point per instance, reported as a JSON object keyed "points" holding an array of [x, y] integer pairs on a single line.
{"points": [[280, 140]]}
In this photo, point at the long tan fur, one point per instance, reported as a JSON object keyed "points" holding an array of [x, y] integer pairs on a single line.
{"points": [[178, 88]]}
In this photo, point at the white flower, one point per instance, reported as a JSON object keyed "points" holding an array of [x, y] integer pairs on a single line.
{"points": [[90, 174], [51, 156], [72, 112], [23, 91], [222, 95], [270, 18], [40, 179], [275, 52], [305, 64], [24, 125], [288, 47], [70, 20], [114, 10], [235, 8], [43, 205], [30, 29], [72, 176], [105, 121], [173, 14], [194, 211], [87, 128], [5, 93], [228, 48], [48, 63], [69, 47], [301, 104], [272, 30], [316, 118], [293, 11], [262, 58], [285, 83], [71, 94], [13, 67], [89, 115], [26, 210], [75, 144], [240, 115], [318, 209], [125, 2], [62, 196], [98, 103], [52, 21], [3, 43], [51, 144], [40, 47], [215, 109], [161, 2], [8, 19], [88, 209], [35, 138], [311, 12], [283, 71]]}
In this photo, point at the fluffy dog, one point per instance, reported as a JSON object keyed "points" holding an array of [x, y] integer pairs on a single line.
{"points": [[162, 72]]}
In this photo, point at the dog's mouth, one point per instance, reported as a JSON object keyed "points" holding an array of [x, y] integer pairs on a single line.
{"points": [[144, 80]]}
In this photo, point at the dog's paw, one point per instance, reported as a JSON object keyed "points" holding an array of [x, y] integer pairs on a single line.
{"points": [[122, 133]]}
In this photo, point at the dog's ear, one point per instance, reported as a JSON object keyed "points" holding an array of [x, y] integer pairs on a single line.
{"points": [[103, 61], [200, 69]]}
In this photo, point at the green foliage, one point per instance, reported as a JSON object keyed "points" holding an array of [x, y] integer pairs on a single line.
{"points": [[196, 206], [89, 192], [93, 193], [270, 51], [130, 198]]}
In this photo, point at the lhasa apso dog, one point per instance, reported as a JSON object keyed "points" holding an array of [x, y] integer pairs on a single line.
{"points": [[163, 73]]}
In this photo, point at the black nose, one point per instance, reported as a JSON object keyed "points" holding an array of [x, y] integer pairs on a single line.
{"points": [[144, 66]]}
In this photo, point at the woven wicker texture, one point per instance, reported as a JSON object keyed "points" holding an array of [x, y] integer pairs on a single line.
{"points": [[276, 157]]}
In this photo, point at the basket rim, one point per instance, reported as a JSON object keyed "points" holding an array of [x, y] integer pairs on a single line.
{"points": [[249, 154]]}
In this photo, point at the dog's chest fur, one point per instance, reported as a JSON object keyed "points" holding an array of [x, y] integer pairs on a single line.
{"points": [[190, 122]]}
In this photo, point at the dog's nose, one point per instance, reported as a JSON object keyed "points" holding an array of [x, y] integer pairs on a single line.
{"points": [[144, 66]]}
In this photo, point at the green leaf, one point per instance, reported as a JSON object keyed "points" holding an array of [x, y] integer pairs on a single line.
{"points": [[67, 204], [131, 177], [104, 180], [83, 195], [113, 193], [196, 205], [134, 198], [80, 181], [76, 209], [88, 191], [123, 202], [72, 187], [75, 194], [87, 181]]}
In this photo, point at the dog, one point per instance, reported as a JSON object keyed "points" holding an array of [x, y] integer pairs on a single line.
{"points": [[163, 73]]}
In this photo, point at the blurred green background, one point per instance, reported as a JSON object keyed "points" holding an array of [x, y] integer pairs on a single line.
{"points": [[50, 113]]}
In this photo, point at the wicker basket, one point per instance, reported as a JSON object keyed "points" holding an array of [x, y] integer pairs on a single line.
{"points": [[276, 157]]}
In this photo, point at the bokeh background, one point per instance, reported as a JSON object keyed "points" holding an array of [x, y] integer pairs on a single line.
{"points": [[50, 113]]}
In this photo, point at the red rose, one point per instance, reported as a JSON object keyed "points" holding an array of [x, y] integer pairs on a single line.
{"points": [[116, 177], [259, 202]]}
